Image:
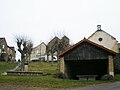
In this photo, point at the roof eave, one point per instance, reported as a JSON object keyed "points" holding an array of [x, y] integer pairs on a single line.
{"points": [[85, 40]]}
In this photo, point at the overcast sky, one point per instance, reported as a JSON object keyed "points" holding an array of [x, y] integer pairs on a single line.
{"points": [[40, 19]]}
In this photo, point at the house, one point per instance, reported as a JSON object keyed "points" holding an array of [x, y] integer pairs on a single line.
{"points": [[103, 38], [55, 46], [11, 53], [64, 43], [52, 48], [7, 53], [39, 53], [86, 58], [3, 49]]}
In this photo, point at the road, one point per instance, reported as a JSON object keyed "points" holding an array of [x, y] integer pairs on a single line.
{"points": [[110, 86], [23, 88]]}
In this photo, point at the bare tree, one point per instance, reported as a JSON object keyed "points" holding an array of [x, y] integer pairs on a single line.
{"points": [[29, 46], [24, 47]]}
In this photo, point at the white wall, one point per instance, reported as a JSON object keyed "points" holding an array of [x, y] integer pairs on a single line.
{"points": [[107, 40]]}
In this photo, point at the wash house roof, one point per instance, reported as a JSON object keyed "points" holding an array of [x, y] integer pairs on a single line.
{"points": [[88, 41]]}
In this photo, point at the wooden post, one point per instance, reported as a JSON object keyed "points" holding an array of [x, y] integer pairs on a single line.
{"points": [[110, 66], [62, 65]]}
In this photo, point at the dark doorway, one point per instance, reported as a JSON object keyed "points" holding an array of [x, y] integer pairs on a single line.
{"points": [[86, 67]]}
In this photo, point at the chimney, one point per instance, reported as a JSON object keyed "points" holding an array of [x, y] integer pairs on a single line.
{"points": [[98, 27]]}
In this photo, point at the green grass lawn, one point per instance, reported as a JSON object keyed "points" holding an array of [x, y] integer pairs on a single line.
{"points": [[42, 81], [6, 66], [44, 67]]}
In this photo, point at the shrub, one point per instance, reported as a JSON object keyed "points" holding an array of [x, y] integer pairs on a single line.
{"points": [[59, 75], [107, 77]]}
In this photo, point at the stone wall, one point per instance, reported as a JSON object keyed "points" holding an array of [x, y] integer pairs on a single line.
{"points": [[62, 65], [110, 66]]}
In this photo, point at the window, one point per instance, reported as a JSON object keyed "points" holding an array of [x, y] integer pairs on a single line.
{"points": [[100, 39], [3, 46], [37, 52]]}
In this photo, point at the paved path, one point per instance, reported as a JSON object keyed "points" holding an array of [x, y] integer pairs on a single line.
{"points": [[5, 73], [110, 86], [16, 67]]}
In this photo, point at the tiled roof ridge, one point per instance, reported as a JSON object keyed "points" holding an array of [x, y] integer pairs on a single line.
{"points": [[86, 40]]}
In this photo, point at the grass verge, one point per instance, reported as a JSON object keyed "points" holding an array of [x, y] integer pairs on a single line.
{"points": [[42, 81]]}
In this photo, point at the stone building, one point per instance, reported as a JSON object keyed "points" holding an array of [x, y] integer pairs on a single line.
{"points": [[7, 53], [56, 46], [11, 54]]}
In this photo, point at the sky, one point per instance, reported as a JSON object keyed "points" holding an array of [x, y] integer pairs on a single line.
{"points": [[41, 19]]}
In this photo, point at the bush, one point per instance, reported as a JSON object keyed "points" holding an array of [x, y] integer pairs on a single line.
{"points": [[107, 77], [59, 75]]}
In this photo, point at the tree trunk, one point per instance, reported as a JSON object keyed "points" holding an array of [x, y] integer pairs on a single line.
{"points": [[52, 59], [22, 62]]}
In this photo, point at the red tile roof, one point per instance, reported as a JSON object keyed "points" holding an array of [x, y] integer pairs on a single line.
{"points": [[88, 41]]}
